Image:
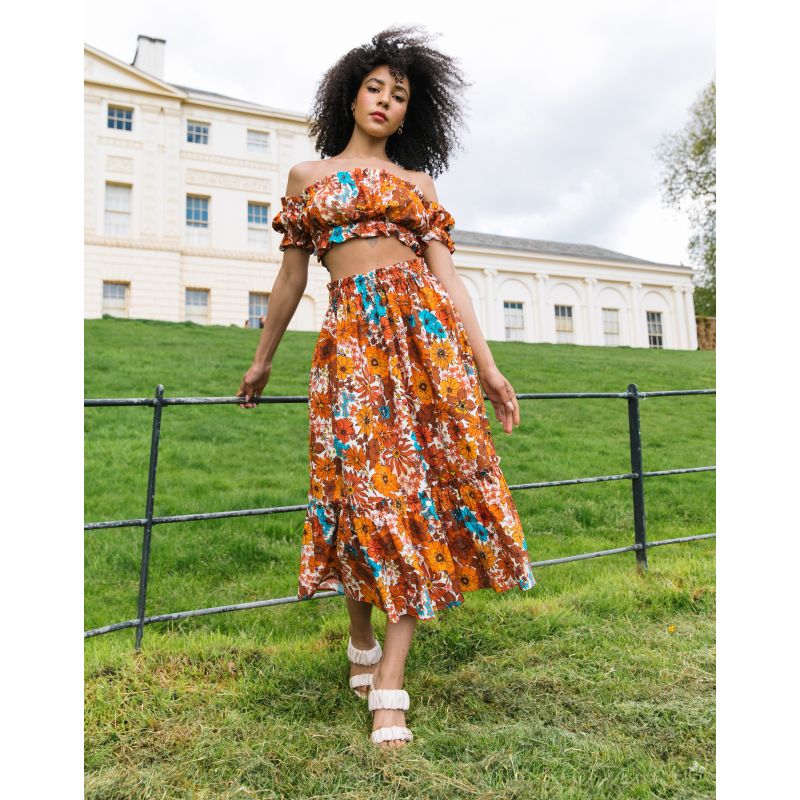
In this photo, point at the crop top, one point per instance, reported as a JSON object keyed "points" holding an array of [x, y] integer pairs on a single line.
{"points": [[364, 202]]}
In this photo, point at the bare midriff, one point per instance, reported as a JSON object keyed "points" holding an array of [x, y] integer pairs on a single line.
{"points": [[363, 254]]}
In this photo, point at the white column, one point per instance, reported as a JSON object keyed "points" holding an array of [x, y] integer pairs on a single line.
{"points": [[491, 310], [590, 313], [691, 320], [680, 318], [637, 339], [543, 329], [530, 311]]}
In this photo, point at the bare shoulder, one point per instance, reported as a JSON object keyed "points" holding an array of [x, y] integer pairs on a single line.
{"points": [[425, 182], [301, 176]]}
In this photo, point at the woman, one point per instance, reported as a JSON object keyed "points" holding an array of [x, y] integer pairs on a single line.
{"points": [[407, 507]]}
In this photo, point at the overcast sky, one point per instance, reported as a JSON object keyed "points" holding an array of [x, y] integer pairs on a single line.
{"points": [[568, 101]]}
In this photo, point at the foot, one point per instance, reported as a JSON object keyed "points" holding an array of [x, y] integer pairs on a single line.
{"points": [[363, 643], [386, 717]]}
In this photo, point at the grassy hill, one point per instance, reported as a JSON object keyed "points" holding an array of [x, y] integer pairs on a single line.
{"points": [[597, 681]]}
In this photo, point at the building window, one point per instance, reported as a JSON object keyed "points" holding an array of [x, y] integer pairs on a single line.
{"points": [[197, 305], [564, 328], [611, 326], [655, 330], [118, 209], [196, 219], [257, 226], [514, 320], [115, 298], [196, 211], [257, 141], [258, 308], [120, 118], [197, 132]]}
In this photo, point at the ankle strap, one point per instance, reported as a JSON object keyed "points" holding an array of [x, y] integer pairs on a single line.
{"points": [[388, 698], [365, 657]]}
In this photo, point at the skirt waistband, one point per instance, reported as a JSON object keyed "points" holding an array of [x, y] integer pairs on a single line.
{"points": [[416, 264]]}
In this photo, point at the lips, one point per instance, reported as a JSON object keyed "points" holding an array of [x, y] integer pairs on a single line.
{"points": [[378, 115]]}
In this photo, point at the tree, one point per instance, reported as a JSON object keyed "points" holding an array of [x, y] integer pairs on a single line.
{"points": [[689, 181]]}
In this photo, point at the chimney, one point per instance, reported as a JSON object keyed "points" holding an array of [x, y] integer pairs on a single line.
{"points": [[150, 55]]}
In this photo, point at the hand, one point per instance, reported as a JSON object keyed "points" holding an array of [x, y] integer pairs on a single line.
{"points": [[253, 383], [502, 397]]}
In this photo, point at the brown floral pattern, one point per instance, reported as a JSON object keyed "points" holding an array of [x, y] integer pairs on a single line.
{"points": [[365, 201], [407, 505]]}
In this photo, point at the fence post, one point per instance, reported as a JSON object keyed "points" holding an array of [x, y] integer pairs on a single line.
{"points": [[637, 484], [148, 525]]}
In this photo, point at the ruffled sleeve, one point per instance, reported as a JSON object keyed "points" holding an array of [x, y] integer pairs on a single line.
{"points": [[438, 224], [290, 222]]}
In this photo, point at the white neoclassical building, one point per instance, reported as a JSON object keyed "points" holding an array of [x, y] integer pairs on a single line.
{"points": [[181, 186]]}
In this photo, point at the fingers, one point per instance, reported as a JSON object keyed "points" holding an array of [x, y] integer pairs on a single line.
{"points": [[250, 395], [503, 414], [508, 416], [510, 408], [514, 405]]}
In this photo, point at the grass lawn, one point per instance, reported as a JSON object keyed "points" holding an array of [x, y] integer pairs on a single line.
{"points": [[598, 682]]}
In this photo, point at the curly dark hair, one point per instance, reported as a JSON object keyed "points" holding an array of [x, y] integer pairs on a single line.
{"points": [[434, 114]]}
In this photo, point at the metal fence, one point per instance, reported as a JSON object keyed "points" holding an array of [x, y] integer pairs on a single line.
{"points": [[636, 476]]}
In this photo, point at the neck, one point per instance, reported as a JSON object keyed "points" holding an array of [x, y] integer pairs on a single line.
{"points": [[363, 146]]}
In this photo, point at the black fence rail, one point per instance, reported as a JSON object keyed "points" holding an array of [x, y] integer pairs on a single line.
{"points": [[636, 476]]}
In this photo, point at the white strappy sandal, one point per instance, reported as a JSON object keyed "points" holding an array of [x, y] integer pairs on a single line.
{"points": [[389, 698], [366, 658]]}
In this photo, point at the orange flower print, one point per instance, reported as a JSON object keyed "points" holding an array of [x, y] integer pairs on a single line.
{"points": [[474, 429], [346, 329], [364, 527], [441, 354], [438, 558], [320, 407], [400, 456], [355, 491], [325, 468], [398, 505], [344, 366], [468, 579], [449, 386], [407, 507], [470, 494], [458, 403], [430, 296], [343, 429], [383, 434], [384, 480], [467, 449], [364, 420], [377, 360], [421, 384], [324, 352], [485, 555]]}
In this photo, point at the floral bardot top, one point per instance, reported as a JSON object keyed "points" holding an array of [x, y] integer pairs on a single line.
{"points": [[365, 201]]}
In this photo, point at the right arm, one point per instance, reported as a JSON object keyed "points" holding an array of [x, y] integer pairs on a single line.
{"points": [[288, 289]]}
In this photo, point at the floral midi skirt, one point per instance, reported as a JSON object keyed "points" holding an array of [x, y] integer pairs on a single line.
{"points": [[407, 505]]}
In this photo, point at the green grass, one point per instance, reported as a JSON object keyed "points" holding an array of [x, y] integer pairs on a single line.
{"points": [[597, 682]]}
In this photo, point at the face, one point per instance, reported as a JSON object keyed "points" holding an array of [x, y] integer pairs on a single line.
{"points": [[381, 93]]}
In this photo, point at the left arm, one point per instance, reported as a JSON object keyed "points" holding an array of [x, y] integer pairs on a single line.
{"points": [[497, 388]]}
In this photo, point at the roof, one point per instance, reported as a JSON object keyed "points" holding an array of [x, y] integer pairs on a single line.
{"points": [[587, 251], [202, 94]]}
